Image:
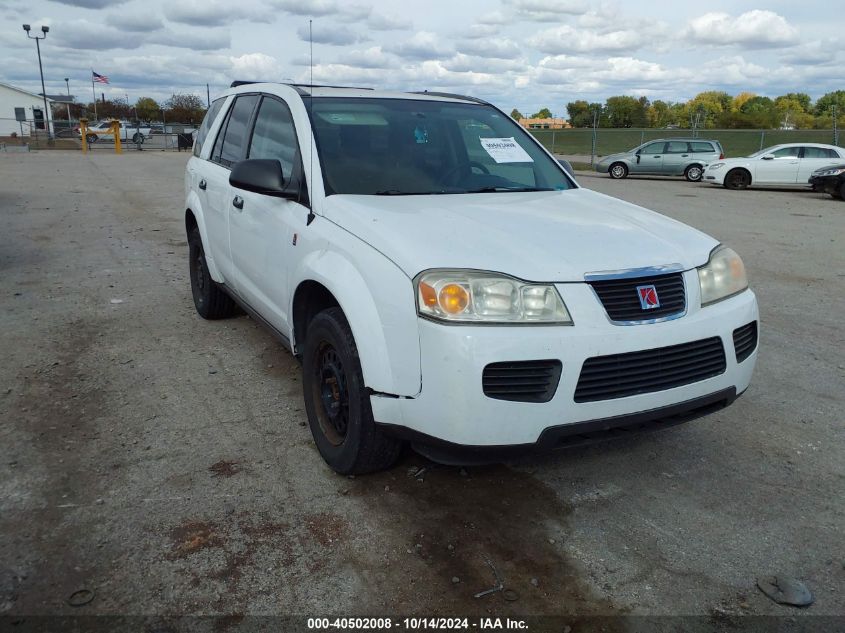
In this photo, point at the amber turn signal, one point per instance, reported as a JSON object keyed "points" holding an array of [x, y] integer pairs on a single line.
{"points": [[453, 298]]}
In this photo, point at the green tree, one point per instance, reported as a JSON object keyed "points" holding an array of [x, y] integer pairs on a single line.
{"points": [[707, 107], [824, 106], [516, 115], [147, 108], [544, 113], [185, 108], [579, 113], [659, 114], [625, 111], [801, 98]]}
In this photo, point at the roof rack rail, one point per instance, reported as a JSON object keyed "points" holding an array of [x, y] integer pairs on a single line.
{"points": [[237, 83], [326, 86], [450, 95]]}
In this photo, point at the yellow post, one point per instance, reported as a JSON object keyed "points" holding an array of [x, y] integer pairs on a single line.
{"points": [[115, 129], [83, 130]]}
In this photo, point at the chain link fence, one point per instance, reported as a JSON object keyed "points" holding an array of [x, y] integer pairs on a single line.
{"points": [[577, 142], [32, 135]]}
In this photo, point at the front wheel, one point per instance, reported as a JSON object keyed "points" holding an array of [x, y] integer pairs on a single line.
{"points": [[210, 300], [841, 192], [137, 137], [693, 173], [737, 179], [618, 170], [91, 138], [337, 402]]}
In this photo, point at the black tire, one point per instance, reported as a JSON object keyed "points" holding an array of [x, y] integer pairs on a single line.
{"points": [[737, 179], [337, 402], [210, 299], [618, 171], [694, 173], [842, 191], [137, 137], [91, 138]]}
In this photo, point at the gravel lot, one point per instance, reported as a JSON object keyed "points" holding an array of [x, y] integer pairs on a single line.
{"points": [[163, 462]]}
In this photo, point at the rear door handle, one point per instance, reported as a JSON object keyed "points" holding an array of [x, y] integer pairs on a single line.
{"points": [[238, 202], [203, 184]]}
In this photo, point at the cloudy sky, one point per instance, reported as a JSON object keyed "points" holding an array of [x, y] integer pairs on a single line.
{"points": [[515, 53]]}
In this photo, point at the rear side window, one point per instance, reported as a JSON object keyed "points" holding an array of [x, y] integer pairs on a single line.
{"points": [[819, 152], [698, 146], [234, 136], [274, 135], [677, 147], [207, 122]]}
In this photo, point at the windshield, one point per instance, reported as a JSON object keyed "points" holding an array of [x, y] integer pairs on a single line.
{"points": [[763, 152], [407, 147]]}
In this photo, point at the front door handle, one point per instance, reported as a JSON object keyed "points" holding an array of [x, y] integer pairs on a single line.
{"points": [[684, 155], [203, 184], [238, 202]]}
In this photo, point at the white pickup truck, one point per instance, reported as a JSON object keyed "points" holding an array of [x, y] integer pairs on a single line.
{"points": [[446, 283], [134, 132]]}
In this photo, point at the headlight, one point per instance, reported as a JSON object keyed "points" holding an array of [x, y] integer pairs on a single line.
{"points": [[722, 276], [468, 296], [830, 172], [717, 165]]}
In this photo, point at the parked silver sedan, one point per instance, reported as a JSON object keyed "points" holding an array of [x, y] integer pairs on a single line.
{"points": [[687, 157]]}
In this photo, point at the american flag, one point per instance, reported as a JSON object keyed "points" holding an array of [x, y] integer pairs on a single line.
{"points": [[100, 79]]}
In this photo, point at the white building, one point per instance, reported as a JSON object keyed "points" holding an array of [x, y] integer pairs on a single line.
{"points": [[33, 108]]}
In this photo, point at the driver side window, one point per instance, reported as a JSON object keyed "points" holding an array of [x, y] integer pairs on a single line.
{"points": [[786, 152], [653, 148]]}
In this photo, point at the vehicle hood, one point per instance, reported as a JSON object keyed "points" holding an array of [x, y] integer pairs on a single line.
{"points": [[616, 156], [553, 236]]}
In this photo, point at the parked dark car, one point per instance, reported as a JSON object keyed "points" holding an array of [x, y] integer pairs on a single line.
{"points": [[830, 179]]}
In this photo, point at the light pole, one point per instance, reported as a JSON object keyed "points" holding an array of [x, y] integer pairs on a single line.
{"points": [[44, 30], [67, 83]]}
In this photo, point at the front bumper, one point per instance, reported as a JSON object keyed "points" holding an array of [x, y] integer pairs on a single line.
{"points": [[452, 408], [602, 167], [714, 177], [828, 184]]}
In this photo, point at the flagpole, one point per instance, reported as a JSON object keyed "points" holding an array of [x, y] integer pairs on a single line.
{"points": [[94, 94]]}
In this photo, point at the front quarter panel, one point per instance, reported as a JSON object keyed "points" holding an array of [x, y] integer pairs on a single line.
{"points": [[377, 299]]}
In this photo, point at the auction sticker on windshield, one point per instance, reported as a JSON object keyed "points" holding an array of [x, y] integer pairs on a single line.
{"points": [[505, 150]]}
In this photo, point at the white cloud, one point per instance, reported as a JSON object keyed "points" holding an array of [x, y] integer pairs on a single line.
{"points": [[754, 29], [324, 8], [373, 57], [331, 35], [498, 48], [545, 10], [567, 39], [381, 22], [255, 66], [423, 45], [134, 22], [199, 13], [92, 4]]}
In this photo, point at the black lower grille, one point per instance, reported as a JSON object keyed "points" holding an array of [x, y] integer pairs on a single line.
{"points": [[621, 299], [745, 341], [522, 381], [622, 375]]}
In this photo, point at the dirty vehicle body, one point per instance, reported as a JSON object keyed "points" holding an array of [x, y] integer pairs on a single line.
{"points": [[687, 157], [445, 282]]}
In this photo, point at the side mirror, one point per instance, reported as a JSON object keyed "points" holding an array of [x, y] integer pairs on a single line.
{"points": [[261, 175], [769, 157], [567, 166]]}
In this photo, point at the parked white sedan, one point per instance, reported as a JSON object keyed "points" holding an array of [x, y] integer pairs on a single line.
{"points": [[789, 164]]}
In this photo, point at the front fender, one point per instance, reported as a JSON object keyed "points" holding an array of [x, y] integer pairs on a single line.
{"points": [[193, 205], [378, 301]]}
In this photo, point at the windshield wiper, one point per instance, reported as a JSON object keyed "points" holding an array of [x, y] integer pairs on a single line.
{"points": [[500, 189], [397, 192]]}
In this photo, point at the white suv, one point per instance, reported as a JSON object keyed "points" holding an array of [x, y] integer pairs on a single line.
{"points": [[445, 282]]}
